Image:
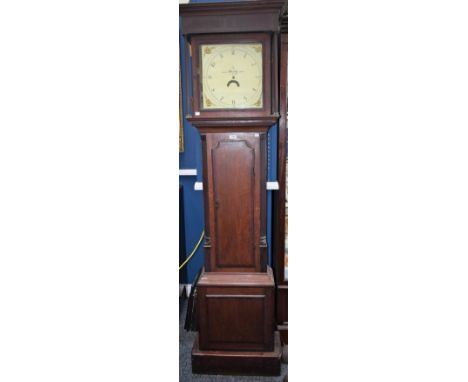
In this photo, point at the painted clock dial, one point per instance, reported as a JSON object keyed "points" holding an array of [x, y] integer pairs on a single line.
{"points": [[232, 76]]}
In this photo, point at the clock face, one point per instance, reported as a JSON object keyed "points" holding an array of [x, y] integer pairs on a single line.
{"points": [[232, 76]]}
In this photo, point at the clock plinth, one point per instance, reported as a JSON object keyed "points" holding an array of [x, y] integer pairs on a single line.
{"points": [[236, 324], [236, 311], [237, 363], [233, 50]]}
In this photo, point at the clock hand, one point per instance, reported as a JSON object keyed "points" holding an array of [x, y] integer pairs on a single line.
{"points": [[233, 81]]}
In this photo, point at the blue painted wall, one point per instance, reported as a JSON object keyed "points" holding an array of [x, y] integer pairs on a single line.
{"points": [[191, 158], [193, 200]]}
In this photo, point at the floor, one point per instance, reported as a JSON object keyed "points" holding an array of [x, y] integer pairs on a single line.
{"points": [[185, 366]]}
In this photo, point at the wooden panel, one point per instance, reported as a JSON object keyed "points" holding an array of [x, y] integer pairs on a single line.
{"points": [[238, 124], [225, 308], [206, 210], [235, 201], [236, 318], [282, 312], [235, 362], [233, 179], [283, 331], [282, 304], [237, 279], [216, 24], [263, 15], [279, 199]]}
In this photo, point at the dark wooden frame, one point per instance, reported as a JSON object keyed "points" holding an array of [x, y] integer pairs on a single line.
{"points": [[262, 38], [280, 198], [232, 17]]}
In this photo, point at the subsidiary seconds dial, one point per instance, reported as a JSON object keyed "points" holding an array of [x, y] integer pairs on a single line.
{"points": [[232, 76]]}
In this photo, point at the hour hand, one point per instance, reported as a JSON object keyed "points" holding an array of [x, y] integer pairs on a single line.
{"points": [[233, 81]]}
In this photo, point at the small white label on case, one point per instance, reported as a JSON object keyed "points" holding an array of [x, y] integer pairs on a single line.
{"points": [[233, 137], [257, 135], [272, 185], [197, 113], [187, 172]]}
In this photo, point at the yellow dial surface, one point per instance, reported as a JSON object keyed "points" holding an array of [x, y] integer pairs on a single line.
{"points": [[232, 76]]}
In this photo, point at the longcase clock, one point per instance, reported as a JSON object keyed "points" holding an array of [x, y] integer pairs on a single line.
{"points": [[233, 50]]}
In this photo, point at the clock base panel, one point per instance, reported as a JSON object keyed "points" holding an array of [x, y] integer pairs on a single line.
{"points": [[236, 311], [237, 362]]}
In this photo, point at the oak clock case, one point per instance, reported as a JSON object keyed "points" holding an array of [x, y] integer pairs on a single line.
{"points": [[231, 75], [233, 49]]}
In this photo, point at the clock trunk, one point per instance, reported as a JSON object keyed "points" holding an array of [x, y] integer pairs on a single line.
{"points": [[235, 169]]}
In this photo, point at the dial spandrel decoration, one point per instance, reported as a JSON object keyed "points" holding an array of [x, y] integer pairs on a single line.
{"points": [[232, 76]]}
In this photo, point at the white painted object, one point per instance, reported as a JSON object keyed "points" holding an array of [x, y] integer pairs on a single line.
{"points": [[198, 186], [187, 172], [272, 186]]}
